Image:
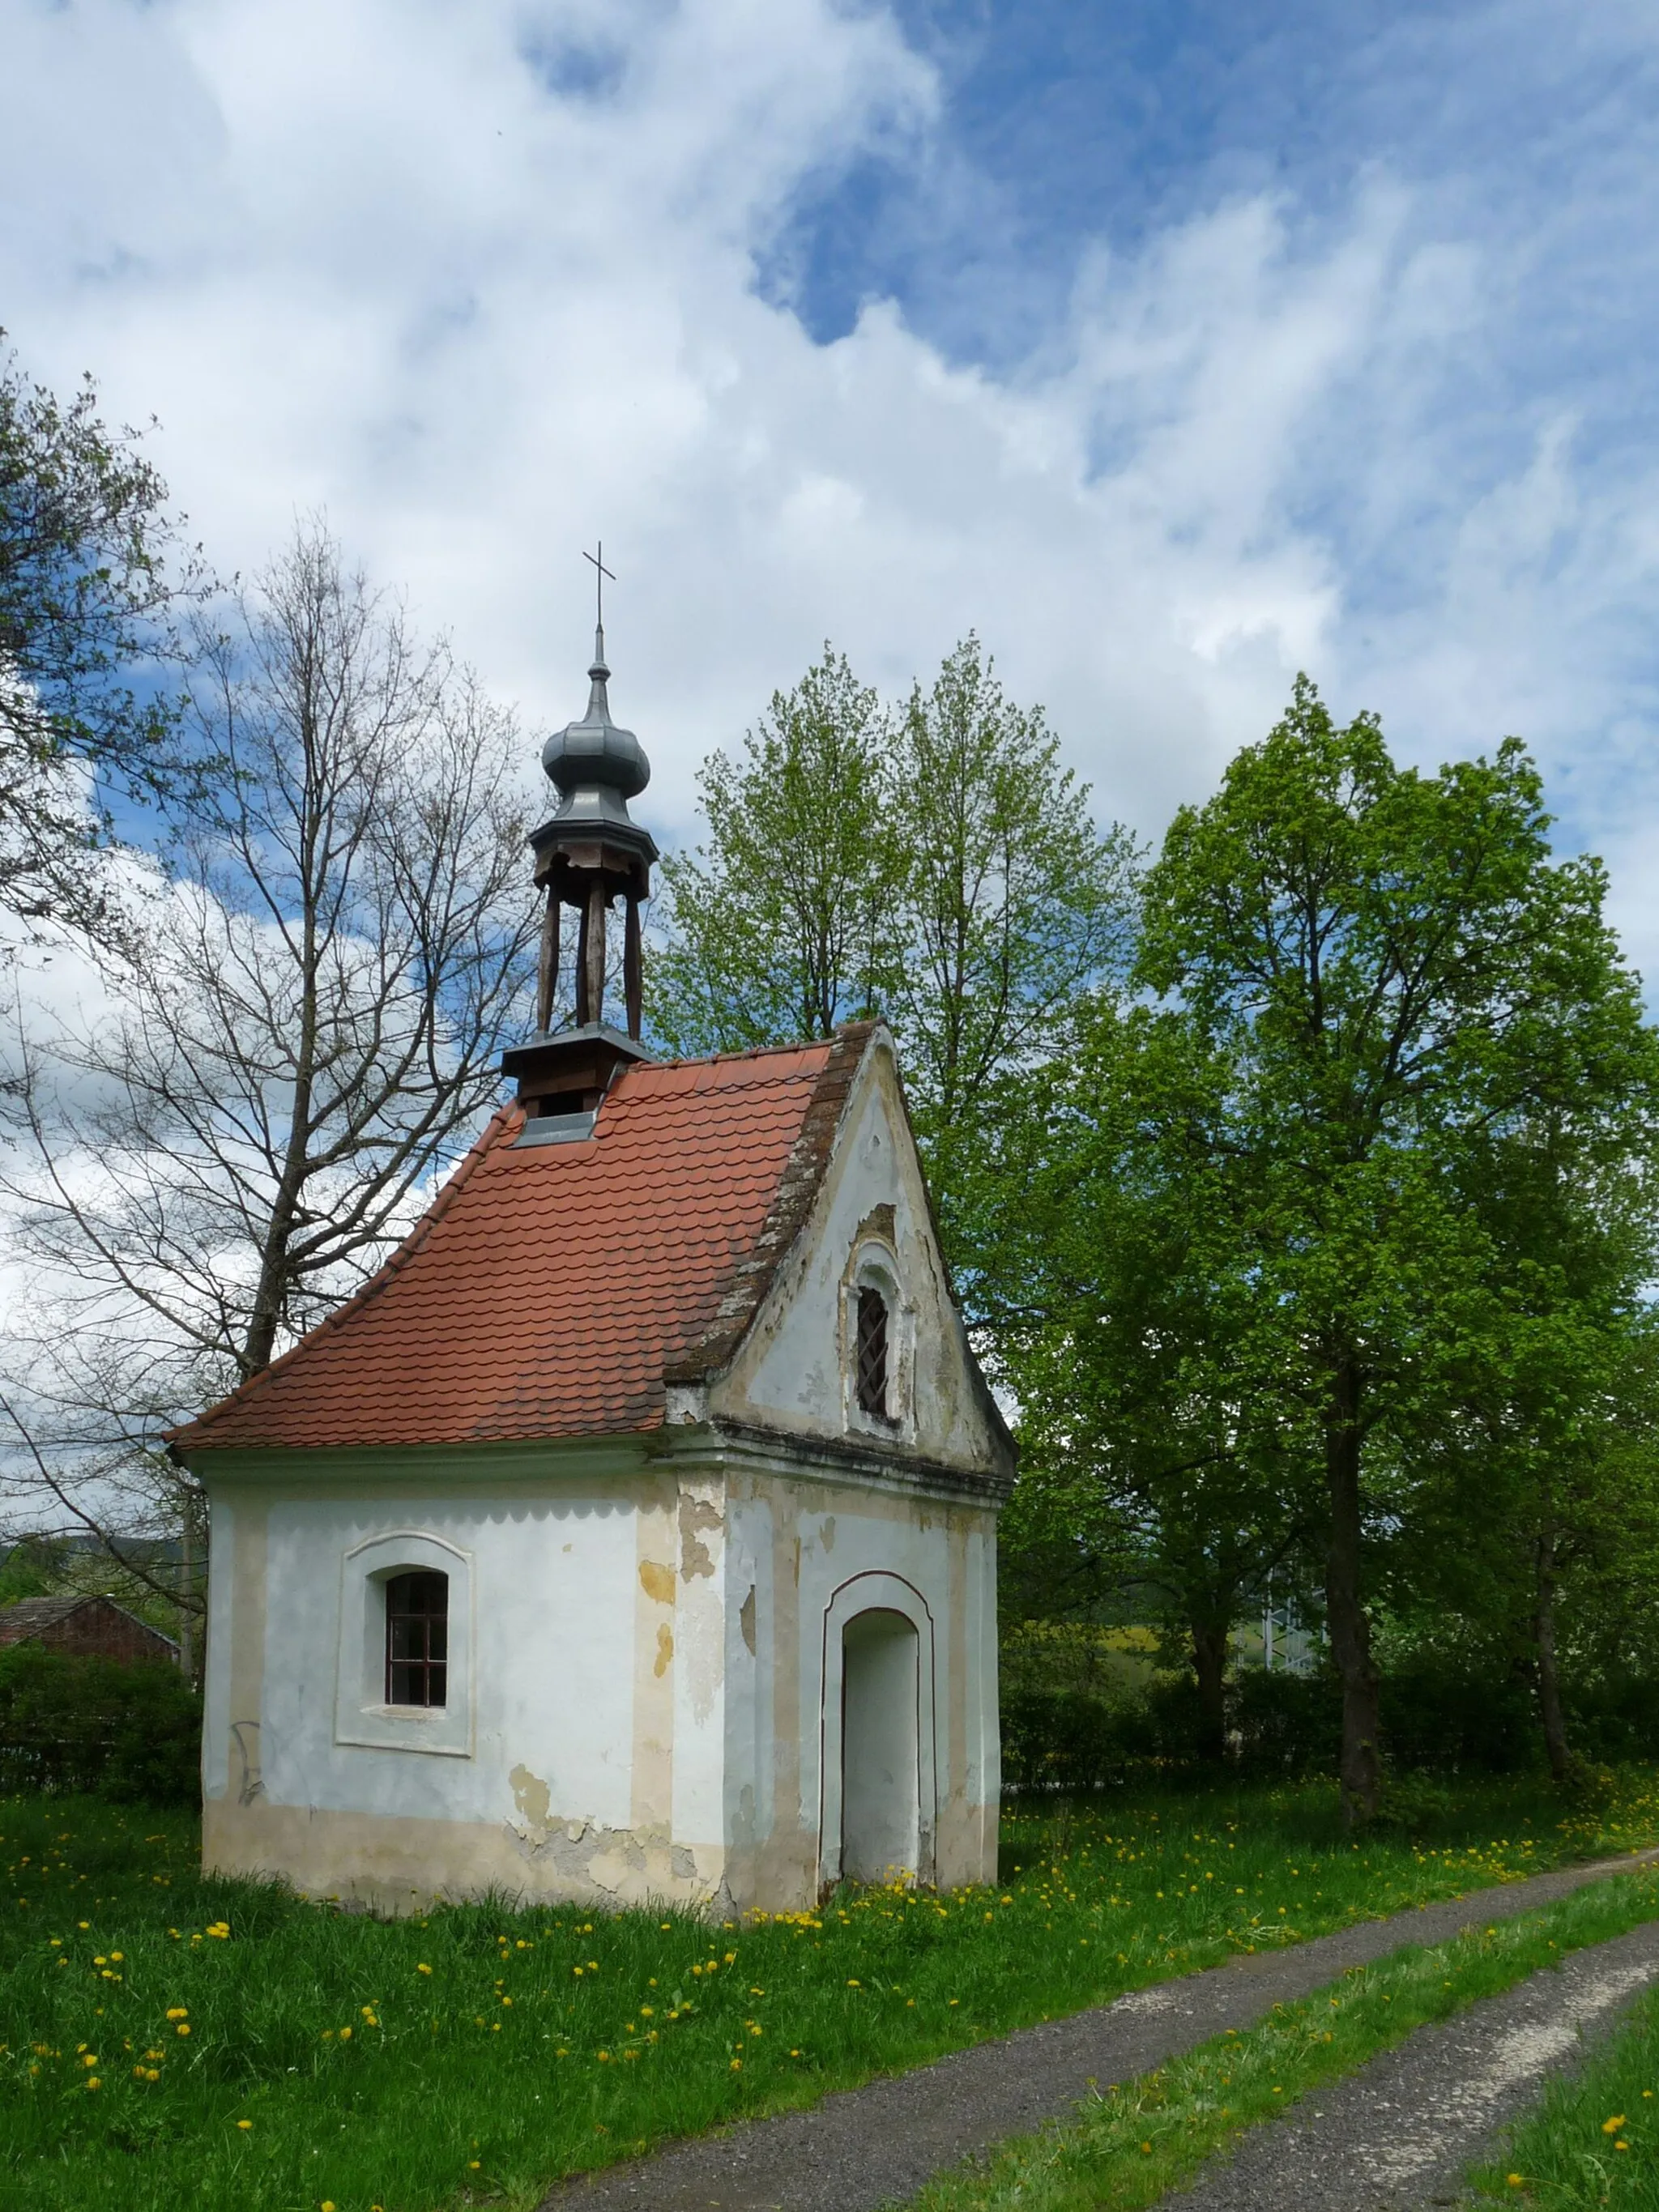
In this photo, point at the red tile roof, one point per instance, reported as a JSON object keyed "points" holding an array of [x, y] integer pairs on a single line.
{"points": [[550, 1286]]}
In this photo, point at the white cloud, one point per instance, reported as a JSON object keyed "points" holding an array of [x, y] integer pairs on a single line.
{"points": [[479, 279]]}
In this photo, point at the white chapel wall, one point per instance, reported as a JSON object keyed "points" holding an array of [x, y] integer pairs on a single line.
{"points": [[552, 1655]]}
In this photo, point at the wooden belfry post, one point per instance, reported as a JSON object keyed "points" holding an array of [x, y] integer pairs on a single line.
{"points": [[588, 854], [593, 904]]}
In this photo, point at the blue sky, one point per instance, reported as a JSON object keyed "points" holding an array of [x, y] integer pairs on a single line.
{"points": [[1174, 347]]}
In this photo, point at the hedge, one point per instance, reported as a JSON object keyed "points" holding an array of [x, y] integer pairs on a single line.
{"points": [[72, 1724], [1439, 1717]]}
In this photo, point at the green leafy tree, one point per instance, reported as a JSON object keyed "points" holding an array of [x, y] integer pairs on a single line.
{"points": [[939, 866], [86, 604], [1011, 903], [1549, 1472], [779, 925], [1012, 908], [1388, 964], [1155, 1439]]}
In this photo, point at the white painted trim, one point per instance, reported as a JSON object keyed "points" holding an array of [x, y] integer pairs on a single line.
{"points": [[362, 1717], [874, 1592]]}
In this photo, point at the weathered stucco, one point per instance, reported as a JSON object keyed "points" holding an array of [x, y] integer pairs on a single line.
{"points": [[635, 1732], [647, 1633], [794, 1369]]}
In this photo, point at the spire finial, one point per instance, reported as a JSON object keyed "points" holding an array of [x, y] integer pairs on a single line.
{"points": [[600, 571]]}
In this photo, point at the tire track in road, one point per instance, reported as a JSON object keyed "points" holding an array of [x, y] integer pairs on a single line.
{"points": [[1397, 2135], [861, 2149]]}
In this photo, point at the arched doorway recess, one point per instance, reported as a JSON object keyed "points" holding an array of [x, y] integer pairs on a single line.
{"points": [[880, 1808], [878, 1775]]}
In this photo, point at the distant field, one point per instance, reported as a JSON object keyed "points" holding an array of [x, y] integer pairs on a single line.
{"points": [[167, 2041]]}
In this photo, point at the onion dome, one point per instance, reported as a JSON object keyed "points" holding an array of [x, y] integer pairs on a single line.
{"points": [[596, 766]]}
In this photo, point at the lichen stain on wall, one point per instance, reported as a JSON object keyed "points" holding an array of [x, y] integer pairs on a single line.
{"points": [[657, 1581], [665, 1651]]}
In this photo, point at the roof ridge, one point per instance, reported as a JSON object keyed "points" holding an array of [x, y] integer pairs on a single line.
{"points": [[792, 1202], [377, 1282], [741, 1052]]}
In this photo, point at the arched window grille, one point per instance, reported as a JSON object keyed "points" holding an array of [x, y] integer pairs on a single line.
{"points": [[871, 1354]]}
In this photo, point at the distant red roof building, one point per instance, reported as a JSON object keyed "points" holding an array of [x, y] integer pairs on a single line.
{"points": [[87, 1627], [555, 1289]]}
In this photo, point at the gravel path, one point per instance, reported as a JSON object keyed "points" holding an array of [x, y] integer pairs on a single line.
{"points": [[864, 2149], [1396, 2135]]}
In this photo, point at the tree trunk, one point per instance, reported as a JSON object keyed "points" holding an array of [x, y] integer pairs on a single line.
{"points": [[1210, 1665], [1349, 1624], [1549, 1679]]}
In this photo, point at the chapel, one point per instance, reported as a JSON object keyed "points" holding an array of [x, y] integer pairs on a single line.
{"points": [[631, 1536]]}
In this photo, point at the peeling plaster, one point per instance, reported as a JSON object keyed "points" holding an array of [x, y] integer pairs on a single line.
{"points": [[696, 1514], [531, 1796], [746, 1620]]}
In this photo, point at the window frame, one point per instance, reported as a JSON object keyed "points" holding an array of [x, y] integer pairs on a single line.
{"points": [[423, 1665], [873, 1266], [872, 1350], [364, 1716]]}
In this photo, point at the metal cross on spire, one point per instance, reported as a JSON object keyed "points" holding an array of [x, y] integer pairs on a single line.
{"points": [[600, 571]]}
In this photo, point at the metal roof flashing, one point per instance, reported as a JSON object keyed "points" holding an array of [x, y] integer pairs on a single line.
{"points": [[557, 1129]]}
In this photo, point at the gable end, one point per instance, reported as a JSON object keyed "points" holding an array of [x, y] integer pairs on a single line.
{"points": [[792, 1204]]}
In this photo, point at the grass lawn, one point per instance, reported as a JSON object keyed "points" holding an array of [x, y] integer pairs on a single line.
{"points": [[1151, 2134], [1594, 2140], [167, 2041]]}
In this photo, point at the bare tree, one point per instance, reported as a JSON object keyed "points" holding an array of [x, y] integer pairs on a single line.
{"points": [[302, 1033]]}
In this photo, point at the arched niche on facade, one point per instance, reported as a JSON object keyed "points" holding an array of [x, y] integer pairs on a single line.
{"points": [[877, 1792]]}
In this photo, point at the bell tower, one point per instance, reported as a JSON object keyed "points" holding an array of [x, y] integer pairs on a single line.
{"points": [[588, 854]]}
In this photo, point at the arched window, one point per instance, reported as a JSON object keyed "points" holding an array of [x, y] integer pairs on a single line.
{"points": [[872, 1353], [417, 1639]]}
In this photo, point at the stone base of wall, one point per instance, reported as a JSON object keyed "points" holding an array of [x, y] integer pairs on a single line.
{"points": [[397, 1865]]}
